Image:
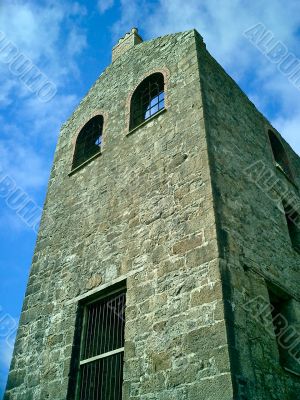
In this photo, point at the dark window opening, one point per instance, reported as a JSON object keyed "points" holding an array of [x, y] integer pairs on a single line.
{"points": [[293, 223], [147, 100], [88, 141], [102, 349], [279, 154], [284, 312]]}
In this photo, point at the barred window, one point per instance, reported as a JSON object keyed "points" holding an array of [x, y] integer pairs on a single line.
{"points": [[102, 349], [279, 154], [147, 100], [88, 141]]}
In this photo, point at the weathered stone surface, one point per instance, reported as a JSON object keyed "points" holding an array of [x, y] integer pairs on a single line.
{"points": [[169, 209], [252, 231], [93, 281], [183, 246]]}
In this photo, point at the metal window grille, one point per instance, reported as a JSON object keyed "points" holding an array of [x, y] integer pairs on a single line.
{"points": [[147, 100], [89, 141], [102, 350]]}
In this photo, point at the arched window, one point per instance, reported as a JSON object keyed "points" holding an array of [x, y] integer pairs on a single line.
{"points": [[88, 141], [279, 154], [147, 100]]}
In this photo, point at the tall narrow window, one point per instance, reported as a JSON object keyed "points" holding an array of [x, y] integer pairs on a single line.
{"points": [[147, 100], [88, 141], [293, 223], [285, 312], [102, 349], [279, 154]]}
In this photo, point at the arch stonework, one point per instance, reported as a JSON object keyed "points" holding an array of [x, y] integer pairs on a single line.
{"points": [[166, 74], [271, 132], [93, 114]]}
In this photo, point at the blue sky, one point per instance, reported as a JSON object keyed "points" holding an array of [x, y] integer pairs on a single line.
{"points": [[70, 42]]}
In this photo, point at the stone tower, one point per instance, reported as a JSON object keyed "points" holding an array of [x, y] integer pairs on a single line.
{"points": [[167, 262]]}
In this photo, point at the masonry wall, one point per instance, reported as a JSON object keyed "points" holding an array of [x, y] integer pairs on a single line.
{"points": [[252, 232], [142, 212]]}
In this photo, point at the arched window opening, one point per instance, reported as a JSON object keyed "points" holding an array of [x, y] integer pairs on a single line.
{"points": [[88, 141], [147, 100], [279, 154]]}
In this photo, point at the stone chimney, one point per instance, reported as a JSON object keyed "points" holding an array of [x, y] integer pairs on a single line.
{"points": [[127, 42]]}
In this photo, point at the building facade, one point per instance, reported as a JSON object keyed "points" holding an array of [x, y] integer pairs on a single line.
{"points": [[167, 261]]}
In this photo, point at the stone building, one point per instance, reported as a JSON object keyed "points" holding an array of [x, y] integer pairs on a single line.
{"points": [[167, 262]]}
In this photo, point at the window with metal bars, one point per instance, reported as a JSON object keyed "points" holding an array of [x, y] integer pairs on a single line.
{"points": [[102, 349], [88, 141], [147, 100]]}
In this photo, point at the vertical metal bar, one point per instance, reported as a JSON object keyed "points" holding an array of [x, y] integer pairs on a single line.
{"points": [[95, 330], [91, 381], [102, 330], [99, 392], [86, 381], [88, 331], [99, 328], [106, 329], [120, 375], [122, 321], [91, 332], [107, 381], [94, 351], [104, 377], [97, 380], [87, 328], [94, 380], [115, 375], [111, 375], [109, 340], [90, 351], [113, 324], [82, 382], [101, 381]]}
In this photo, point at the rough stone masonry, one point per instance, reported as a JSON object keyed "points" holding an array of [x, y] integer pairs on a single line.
{"points": [[169, 209]]}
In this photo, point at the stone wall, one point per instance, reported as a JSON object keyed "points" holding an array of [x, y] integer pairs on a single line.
{"points": [[175, 210], [252, 231], [131, 39], [142, 212]]}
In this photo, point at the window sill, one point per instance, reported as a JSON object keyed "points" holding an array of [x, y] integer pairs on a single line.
{"points": [[278, 166], [296, 249], [84, 163], [291, 371], [146, 121]]}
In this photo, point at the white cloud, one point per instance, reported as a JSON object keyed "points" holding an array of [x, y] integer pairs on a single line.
{"points": [[222, 23], [8, 330], [105, 5], [7, 343], [290, 127], [5, 360], [5, 94], [50, 36]]}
